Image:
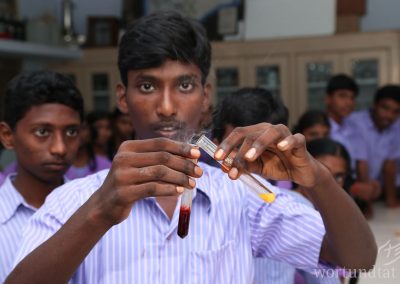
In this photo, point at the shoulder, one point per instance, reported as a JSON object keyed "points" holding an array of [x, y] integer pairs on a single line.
{"points": [[66, 199]]}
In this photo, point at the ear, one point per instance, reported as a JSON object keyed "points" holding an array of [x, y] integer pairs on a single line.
{"points": [[6, 136], [121, 98]]}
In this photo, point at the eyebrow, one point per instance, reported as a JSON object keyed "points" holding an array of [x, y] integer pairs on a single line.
{"points": [[184, 77]]}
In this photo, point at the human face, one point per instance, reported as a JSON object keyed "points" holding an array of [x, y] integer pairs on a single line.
{"points": [[124, 126], [103, 128], [336, 165], [385, 112], [340, 104], [46, 141], [166, 101], [316, 131]]}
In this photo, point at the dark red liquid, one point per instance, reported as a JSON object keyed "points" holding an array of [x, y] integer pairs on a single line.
{"points": [[184, 218]]}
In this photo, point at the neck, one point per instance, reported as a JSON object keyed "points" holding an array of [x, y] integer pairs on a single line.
{"points": [[336, 118], [33, 189]]}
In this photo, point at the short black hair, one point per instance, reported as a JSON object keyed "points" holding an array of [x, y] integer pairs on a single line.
{"points": [[151, 40], [35, 88], [341, 82], [311, 118], [326, 146], [248, 106], [388, 92]]}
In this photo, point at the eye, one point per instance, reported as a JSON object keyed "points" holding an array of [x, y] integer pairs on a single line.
{"points": [[41, 132], [146, 87], [186, 86], [72, 132]]}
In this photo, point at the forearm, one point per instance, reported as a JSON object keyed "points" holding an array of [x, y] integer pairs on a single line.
{"points": [[389, 179], [349, 241], [362, 171], [56, 260]]}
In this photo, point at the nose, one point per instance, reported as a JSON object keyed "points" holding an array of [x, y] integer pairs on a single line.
{"points": [[166, 106], [58, 146]]}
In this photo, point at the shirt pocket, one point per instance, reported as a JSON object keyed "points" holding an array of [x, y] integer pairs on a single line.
{"points": [[214, 266]]}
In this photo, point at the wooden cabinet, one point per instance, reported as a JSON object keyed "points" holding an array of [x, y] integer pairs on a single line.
{"points": [[96, 75], [298, 69]]}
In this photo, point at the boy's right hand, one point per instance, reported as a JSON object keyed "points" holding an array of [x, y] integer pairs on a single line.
{"points": [[140, 169]]}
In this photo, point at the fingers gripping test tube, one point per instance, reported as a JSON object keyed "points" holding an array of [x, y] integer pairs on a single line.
{"points": [[247, 178]]}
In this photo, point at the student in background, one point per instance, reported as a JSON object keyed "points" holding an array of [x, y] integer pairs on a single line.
{"points": [[340, 101], [313, 124], [42, 117], [342, 91], [99, 124], [376, 127], [121, 225], [122, 130], [86, 161]]}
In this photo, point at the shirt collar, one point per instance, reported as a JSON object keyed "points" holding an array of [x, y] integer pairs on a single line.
{"points": [[12, 199]]}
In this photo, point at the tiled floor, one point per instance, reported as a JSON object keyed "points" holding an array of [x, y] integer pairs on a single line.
{"points": [[386, 228]]}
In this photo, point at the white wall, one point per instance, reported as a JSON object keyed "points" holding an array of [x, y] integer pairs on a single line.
{"points": [[381, 15], [83, 9], [285, 18]]}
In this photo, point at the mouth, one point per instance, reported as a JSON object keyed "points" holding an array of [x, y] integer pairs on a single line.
{"points": [[56, 166], [169, 131]]}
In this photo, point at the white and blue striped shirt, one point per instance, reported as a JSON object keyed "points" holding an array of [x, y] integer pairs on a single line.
{"points": [[228, 226], [14, 214]]}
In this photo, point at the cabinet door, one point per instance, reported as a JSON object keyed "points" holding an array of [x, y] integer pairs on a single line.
{"points": [[313, 73], [227, 76], [270, 73], [101, 83], [370, 69]]}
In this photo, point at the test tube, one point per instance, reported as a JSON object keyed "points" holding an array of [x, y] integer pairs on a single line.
{"points": [[184, 212], [247, 178]]}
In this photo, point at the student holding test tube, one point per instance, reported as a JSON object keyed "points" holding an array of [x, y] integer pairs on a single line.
{"points": [[119, 226]]}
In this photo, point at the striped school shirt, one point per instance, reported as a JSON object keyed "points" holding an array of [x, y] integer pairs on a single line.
{"points": [[229, 225], [14, 214]]}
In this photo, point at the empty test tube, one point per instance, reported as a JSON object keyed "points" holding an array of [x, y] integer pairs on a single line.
{"points": [[251, 181]]}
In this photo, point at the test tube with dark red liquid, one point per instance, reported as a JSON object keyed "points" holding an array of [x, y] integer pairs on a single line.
{"points": [[184, 214]]}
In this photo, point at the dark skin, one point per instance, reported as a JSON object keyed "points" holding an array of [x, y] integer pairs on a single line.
{"points": [[45, 141], [161, 167]]}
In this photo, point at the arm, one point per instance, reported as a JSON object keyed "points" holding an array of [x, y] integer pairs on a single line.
{"points": [[158, 167], [389, 182], [275, 153]]}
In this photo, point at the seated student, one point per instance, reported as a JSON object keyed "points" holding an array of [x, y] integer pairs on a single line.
{"points": [[42, 116], [122, 130], [86, 161], [376, 127], [120, 226], [315, 124]]}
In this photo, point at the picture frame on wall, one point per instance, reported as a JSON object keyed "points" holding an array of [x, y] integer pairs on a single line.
{"points": [[102, 31]]}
